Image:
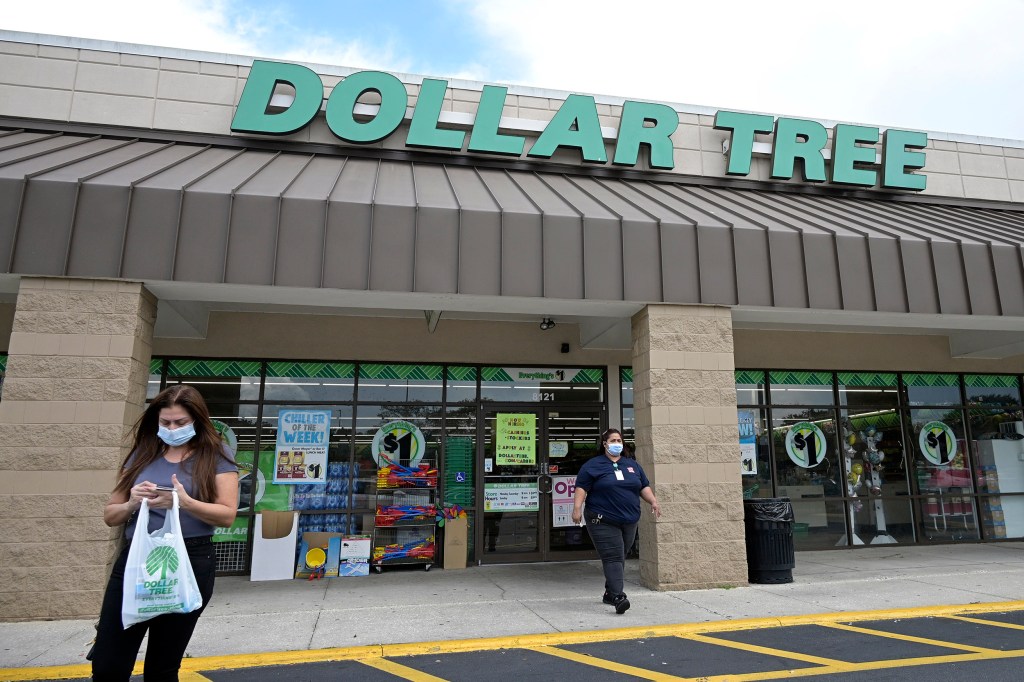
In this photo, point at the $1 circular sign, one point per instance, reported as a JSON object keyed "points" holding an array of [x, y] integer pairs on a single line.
{"points": [[806, 445], [938, 443], [398, 442]]}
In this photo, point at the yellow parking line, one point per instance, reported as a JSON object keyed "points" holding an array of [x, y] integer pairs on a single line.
{"points": [[191, 676], [980, 621], [909, 638], [862, 667], [236, 661], [605, 664], [757, 649], [399, 670]]}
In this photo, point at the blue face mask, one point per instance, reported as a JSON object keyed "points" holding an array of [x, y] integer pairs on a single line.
{"points": [[614, 448], [176, 437]]}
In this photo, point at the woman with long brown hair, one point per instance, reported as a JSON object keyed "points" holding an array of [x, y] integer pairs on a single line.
{"points": [[176, 447]]}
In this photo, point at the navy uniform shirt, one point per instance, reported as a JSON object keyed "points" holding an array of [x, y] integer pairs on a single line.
{"points": [[617, 501]]}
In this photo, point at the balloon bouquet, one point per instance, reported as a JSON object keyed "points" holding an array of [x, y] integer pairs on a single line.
{"points": [[854, 479], [867, 472]]}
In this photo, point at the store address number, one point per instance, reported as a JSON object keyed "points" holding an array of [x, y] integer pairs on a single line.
{"points": [[542, 397]]}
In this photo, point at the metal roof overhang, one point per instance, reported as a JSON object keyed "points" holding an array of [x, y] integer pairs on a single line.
{"points": [[173, 212]]}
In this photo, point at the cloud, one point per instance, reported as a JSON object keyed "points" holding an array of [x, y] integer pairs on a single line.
{"points": [[874, 61], [205, 25], [941, 65]]}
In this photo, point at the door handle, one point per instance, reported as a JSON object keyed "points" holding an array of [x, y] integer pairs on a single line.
{"points": [[544, 483]]}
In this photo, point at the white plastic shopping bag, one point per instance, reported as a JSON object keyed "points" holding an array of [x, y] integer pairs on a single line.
{"points": [[158, 577]]}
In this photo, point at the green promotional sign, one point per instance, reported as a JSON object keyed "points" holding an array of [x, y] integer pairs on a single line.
{"points": [[515, 439], [255, 486]]}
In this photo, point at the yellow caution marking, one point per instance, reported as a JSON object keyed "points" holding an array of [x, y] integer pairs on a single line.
{"points": [[862, 667], [191, 676], [757, 649], [605, 664], [57, 672], [980, 621], [399, 670], [239, 661], [909, 638]]}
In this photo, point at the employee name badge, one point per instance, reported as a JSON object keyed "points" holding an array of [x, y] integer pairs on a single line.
{"points": [[619, 476]]}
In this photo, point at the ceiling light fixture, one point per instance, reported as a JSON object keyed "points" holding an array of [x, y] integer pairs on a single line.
{"points": [[547, 323]]}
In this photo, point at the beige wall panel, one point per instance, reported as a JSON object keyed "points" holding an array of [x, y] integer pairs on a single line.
{"points": [[322, 337], [759, 348]]}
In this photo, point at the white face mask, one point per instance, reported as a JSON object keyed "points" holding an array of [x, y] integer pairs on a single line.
{"points": [[176, 437], [614, 448]]}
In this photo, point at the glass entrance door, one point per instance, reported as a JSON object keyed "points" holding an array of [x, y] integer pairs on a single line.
{"points": [[529, 458]]}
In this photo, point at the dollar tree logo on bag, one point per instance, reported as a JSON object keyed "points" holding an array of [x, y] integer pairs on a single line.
{"points": [[162, 560]]}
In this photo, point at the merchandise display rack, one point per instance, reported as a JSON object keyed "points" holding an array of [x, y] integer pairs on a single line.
{"points": [[405, 516]]}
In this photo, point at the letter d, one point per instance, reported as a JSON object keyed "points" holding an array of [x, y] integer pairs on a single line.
{"points": [[251, 113]]}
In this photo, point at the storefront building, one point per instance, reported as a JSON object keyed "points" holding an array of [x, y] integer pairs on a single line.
{"points": [[768, 307]]}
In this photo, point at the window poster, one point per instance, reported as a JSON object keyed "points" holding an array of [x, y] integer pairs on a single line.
{"points": [[748, 443], [511, 497], [563, 497], [516, 439], [303, 437]]}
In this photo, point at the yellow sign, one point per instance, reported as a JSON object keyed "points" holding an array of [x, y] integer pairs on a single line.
{"points": [[516, 440]]}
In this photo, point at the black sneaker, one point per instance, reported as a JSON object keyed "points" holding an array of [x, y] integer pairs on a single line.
{"points": [[621, 604], [609, 599]]}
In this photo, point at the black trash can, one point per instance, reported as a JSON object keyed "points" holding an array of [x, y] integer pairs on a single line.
{"points": [[768, 523]]}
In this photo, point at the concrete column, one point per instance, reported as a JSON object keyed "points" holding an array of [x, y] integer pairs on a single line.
{"points": [[76, 382], [685, 403]]}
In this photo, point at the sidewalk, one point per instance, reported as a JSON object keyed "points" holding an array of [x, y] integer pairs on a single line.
{"points": [[493, 601]]}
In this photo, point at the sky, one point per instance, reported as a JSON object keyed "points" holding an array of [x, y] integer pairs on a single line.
{"points": [[954, 66]]}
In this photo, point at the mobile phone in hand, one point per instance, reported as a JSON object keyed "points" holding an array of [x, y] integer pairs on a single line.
{"points": [[165, 488]]}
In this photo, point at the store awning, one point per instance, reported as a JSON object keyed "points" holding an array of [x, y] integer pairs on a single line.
{"points": [[95, 206]]}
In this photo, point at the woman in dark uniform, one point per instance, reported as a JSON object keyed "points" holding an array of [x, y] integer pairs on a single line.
{"points": [[612, 486]]}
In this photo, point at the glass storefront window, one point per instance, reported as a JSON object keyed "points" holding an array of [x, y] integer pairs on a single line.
{"points": [[156, 371], [809, 474], [369, 419], [755, 454], [942, 475], [326, 382], [461, 384], [400, 383], [626, 382], [876, 389], [990, 390], [875, 476], [932, 389], [801, 388], [335, 494], [218, 380], [750, 387], [460, 456], [541, 384], [997, 448]]}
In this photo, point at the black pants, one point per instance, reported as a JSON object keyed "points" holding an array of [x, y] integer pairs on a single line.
{"points": [[612, 541], [116, 648]]}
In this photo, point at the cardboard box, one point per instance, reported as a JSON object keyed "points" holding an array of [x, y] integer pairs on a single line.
{"points": [[456, 538], [329, 542], [273, 545]]}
